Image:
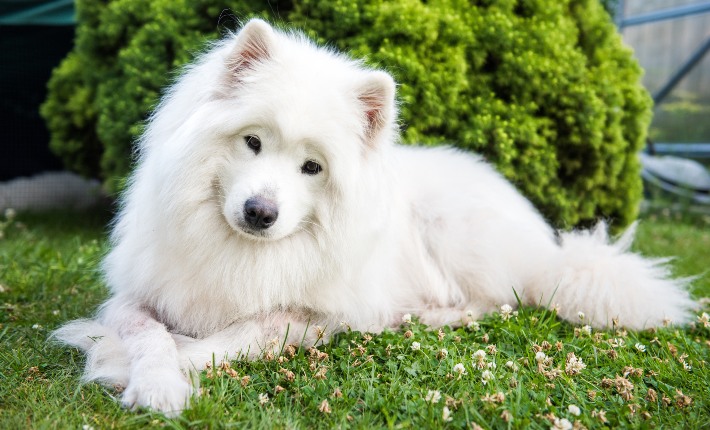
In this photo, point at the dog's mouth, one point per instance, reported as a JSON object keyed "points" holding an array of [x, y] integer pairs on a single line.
{"points": [[244, 230], [251, 233]]}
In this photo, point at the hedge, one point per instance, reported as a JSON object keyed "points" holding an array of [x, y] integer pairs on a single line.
{"points": [[544, 90]]}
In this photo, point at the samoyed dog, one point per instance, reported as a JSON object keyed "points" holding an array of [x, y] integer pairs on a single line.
{"points": [[271, 197]]}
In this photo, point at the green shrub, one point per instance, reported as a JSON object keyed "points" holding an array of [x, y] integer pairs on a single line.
{"points": [[125, 52], [545, 90], [71, 116]]}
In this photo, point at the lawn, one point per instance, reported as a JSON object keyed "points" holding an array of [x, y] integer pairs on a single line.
{"points": [[524, 370]]}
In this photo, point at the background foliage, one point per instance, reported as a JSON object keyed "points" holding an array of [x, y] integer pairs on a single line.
{"points": [[545, 90]]}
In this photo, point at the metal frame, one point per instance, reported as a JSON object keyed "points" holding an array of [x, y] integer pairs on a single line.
{"points": [[682, 71], [699, 149]]}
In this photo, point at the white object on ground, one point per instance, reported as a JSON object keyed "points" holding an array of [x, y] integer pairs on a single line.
{"points": [[677, 175], [50, 190]]}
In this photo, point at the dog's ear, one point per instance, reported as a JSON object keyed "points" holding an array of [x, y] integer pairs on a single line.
{"points": [[376, 96], [254, 45]]}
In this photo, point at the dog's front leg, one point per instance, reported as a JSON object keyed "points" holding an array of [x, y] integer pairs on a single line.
{"points": [[249, 338], [155, 379]]}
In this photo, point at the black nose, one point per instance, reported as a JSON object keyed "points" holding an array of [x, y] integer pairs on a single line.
{"points": [[260, 213]]}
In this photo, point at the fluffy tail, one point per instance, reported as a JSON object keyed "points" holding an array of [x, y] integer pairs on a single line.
{"points": [[610, 284], [106, 358]]}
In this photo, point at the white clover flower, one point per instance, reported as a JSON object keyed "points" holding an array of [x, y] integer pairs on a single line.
{"points": [[469, 313], [574, 410], [446, 414], [511, 365], [55, 312], [324, 407], [491, 365], [505, 311], [432, 396], [540, 356], [640, 347], [458, 368], [617, 342], [416, 346], [704, 319], [473, 325], [561, 424], [36, 326], [486, 376], [479, 359], [10, 214], [263, 398], [580, 314], [407, 318], [443, 353], [587, 329], [687, 366], [574, 364], [479, 355]]}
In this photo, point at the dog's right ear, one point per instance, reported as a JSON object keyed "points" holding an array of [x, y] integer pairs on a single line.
{"points": [[376, 96], [253, 46]]}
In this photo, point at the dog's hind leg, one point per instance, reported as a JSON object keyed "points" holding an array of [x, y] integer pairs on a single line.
{"points": [[452, 317]]}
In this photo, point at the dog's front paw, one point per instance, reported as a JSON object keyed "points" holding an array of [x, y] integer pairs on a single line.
{"points": [[168, 392]]}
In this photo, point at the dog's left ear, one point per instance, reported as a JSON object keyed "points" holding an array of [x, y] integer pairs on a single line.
{"points": [[376, 96], [253, 45]]}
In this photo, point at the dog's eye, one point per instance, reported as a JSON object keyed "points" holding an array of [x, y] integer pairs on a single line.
{"points": [[253, 143], [310, 167]]}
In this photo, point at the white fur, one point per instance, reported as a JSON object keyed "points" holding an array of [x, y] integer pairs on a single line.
{"points": [[382, 231]]}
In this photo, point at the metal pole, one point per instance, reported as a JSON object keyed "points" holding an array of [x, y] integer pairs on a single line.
{"points": [[682, 71], [665, 14], [619, 14]]}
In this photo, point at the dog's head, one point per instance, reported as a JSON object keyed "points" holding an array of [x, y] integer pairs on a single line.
{"points": [[302, 119]]}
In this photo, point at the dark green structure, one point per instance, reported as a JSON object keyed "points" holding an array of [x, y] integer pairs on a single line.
{"points": [[34, 37]]}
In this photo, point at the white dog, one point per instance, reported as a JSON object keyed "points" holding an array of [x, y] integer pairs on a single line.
{"points": [[270, 196]]}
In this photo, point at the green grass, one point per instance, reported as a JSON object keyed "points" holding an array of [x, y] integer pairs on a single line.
{"points": [[48, 270]]}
